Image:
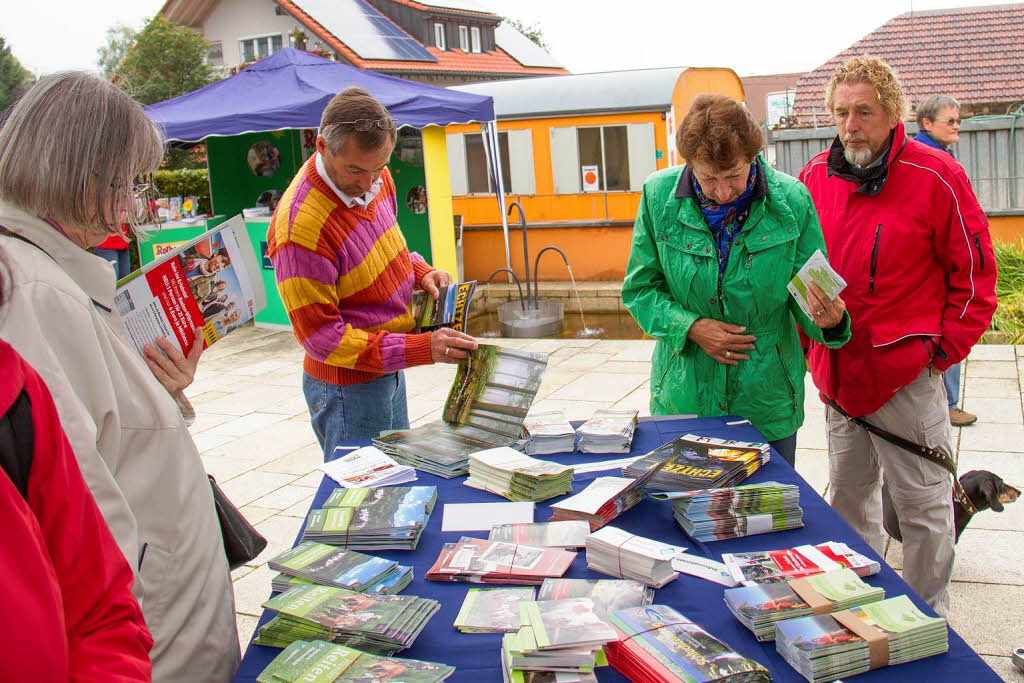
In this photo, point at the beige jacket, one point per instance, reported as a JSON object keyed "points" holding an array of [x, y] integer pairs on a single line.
{"points": [[131, 442]]}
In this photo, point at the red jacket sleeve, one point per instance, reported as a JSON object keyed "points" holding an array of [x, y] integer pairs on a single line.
{"points": [[964, 247], [107, 636]]}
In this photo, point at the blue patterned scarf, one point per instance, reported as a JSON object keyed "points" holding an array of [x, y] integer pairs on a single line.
{"points": [[726, 220]]}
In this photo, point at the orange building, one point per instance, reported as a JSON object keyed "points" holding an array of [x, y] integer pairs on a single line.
{"points": [[574, 151]]}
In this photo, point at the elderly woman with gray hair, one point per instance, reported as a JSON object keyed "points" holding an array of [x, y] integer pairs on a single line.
{"points": [[71, 152]]}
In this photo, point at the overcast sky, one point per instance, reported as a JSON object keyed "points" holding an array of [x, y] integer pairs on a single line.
{"points": [[751, 37]]}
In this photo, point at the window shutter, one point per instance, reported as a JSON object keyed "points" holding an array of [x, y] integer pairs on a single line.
{"points": [[565, 161], [457, 164], [641, 154], [520, 162]]}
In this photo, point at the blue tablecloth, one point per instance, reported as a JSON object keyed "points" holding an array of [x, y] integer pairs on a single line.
{"points": [[476, 657]]}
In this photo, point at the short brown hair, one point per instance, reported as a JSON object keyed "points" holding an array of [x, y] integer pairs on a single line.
{"points": [[875, 72], [719, 131], [355, 104]]}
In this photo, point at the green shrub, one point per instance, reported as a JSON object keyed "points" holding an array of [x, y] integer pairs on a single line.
{"points": [[1009, 316], [185, 182]]}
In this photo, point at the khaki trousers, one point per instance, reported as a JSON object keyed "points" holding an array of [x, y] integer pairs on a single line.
{"points": [[921, 490]]}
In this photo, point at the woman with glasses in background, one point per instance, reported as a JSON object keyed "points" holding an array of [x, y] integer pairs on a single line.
{"points": [[938, 121], [67, 182]]}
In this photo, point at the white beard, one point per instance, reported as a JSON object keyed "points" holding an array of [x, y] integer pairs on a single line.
{"points": [[860, 157]]}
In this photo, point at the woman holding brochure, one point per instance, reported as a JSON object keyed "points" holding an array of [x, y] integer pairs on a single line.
{"points": [[68, 179], [716, 243]]}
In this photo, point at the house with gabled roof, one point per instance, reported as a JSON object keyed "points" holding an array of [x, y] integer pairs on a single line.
{"points": [[972, 53], [442, 42]]}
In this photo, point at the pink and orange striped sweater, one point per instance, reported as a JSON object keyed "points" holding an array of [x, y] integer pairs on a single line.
{"points": [[346, 278]]}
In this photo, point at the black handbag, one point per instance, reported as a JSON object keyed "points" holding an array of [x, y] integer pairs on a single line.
{"points": [[242, 543]]}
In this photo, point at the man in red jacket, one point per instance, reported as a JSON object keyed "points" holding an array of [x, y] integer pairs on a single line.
{"points": [[905, 231]]}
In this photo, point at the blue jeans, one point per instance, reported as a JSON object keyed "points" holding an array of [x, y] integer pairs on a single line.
{"points": [[356, 411], [119, 257], [786, 448], [951, 379]]}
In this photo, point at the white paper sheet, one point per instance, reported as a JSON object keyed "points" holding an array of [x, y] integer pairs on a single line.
{"points": [[482, 516]]}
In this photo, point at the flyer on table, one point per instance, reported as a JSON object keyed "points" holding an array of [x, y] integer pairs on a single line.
{"points": [[212, 282]]}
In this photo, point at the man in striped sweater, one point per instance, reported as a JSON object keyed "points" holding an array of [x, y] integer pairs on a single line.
{"points": [[346, 277]]}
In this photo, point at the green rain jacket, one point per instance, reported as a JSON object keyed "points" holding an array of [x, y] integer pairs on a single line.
{"points": [[672, 281]]}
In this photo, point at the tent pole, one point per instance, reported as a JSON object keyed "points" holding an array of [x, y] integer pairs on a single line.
{"points": [[493, 150]]}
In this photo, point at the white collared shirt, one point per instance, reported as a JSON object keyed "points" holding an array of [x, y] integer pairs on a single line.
{"points": [[349, 200]]}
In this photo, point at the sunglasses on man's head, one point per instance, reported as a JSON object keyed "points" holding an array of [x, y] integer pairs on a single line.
{"points": [[363, 125]]}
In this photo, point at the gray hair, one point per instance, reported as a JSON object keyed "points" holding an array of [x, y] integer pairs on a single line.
{"points": [[354, 104], [71, 149], [929, 107]]}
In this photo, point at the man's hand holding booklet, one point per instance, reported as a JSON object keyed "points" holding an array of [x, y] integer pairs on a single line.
{"points": [[818, 271]]}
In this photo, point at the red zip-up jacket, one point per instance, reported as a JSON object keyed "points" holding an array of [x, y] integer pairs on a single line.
{"points": [[71, 615], [919, 267]]}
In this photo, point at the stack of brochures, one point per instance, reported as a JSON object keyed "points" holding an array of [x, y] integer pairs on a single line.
{"points": [[770, 566], [516, 476], [479, 561], [608, 431], [569, 535], [320, 661], [381, 624], [833, 646], [372, 519], [619, 553], [605, 499], [393, 584], [608, 595], [366, 467], [549, 432], [760, 607], [492, 610], [564, 636], [490, 396], [657, 644], [718, 514], [331, 566], [693, 462]]}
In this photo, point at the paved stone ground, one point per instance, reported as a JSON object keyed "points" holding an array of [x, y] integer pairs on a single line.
{"points": [[254, 435]]}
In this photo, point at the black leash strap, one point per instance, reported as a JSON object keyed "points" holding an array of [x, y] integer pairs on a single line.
{"points": [[931, 454]]}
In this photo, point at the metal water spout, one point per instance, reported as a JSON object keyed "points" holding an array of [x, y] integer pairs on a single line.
{"points": [[522, 301], [526, 249], [536, 272]]}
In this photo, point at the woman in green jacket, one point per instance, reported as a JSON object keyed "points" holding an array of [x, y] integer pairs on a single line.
{"points": [[714, 245]]}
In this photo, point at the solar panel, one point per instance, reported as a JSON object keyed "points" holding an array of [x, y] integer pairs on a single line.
{"points": [[369, 33]]}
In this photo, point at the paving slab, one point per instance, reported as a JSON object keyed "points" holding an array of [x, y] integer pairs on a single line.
{"points": [[246, 626], [247, 487], [994, 410], [987, 387], [605, 386], [252, 590], [1004, 668], [242, 426], [255, 515], [1005, 438], [982, 556], [812, 465], [987, 616], [282, 498], [270, 443], [1000, 369], [574, 409], [280, 532], [992, 352]]}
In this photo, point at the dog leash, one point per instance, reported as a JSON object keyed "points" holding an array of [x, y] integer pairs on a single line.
{"points": [[931, 454]]}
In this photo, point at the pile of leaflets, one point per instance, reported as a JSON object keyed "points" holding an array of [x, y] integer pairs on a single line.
{"points": [[329, 663], [564, 636], [381, 624], [492, 610], [833, 646], [619, 553], [479, 561], [608, 431], [395, 583], [608, 595], [330, 566], [770, 566], [366, 467], [490, 396], [718, 514], [571, 534], [692, 462], [395, 496], [658, 644], [516, 476], [548, 432], [760, 607], [605, 499], [374, 527]]}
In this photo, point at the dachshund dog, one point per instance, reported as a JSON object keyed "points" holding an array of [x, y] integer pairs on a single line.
{"points": [[985, 489]]}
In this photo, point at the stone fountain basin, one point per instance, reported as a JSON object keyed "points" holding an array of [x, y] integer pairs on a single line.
{"points": [[547, 320]]}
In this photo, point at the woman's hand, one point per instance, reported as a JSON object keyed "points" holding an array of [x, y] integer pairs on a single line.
{"points": [[825, 313], [174, 370], [434, 280], [722, 341]]}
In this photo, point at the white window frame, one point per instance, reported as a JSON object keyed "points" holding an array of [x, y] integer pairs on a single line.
{"points": [[439, 36], [464, 38], [474, 39], [253, 40]]}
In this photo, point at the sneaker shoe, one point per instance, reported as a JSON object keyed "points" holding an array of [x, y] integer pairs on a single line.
{"points": [[959, 418]]}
